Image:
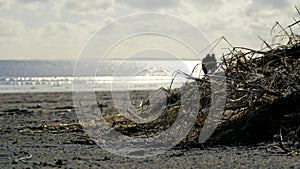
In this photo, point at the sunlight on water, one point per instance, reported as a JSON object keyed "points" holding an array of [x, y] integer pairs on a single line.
{"points": [[33, 80]]}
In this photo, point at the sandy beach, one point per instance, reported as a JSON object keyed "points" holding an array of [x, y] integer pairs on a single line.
{"points": [[26, 142]]}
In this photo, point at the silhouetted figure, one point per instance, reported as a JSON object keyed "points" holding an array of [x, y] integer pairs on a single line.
{"points": [[209, 64]]}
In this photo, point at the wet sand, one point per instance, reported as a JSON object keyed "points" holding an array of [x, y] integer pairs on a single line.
{"points": [[24, 144]]}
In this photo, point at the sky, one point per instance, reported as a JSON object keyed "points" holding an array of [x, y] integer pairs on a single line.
{"points": [[58, 29]]}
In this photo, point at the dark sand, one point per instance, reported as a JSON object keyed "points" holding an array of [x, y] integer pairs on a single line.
{"points": [[72, 149]]}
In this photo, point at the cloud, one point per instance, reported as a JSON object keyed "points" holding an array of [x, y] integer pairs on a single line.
{"points": [[262, 15], [52, 41], [36, 7], [88, 6], [60, 27], [3, 3], [278, 4], [60, 39], [10, 28], [33, 4], [152, 5], [240, 21]]}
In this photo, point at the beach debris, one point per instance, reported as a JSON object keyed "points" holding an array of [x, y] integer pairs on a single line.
{"points": [[263, 95], [53, 128], [64, 107], [18, 111], [22, 159], [59, 162]]}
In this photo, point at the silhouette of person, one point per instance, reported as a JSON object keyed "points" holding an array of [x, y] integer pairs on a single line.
{"points": [[209, 64]]}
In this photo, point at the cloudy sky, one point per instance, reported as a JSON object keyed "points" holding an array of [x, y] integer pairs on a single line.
{"points": [[58, 29]]}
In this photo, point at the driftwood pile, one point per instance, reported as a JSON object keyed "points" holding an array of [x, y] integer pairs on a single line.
{"points": [[262, 104], [263, 93]]}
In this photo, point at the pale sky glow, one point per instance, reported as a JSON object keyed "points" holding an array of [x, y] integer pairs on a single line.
{"points": [[57, 29]]}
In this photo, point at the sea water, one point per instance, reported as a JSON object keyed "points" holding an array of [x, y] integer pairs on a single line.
{"points": [[58, 75]]}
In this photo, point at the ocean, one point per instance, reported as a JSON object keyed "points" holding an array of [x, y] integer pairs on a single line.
{"points": [[58, 75]]}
